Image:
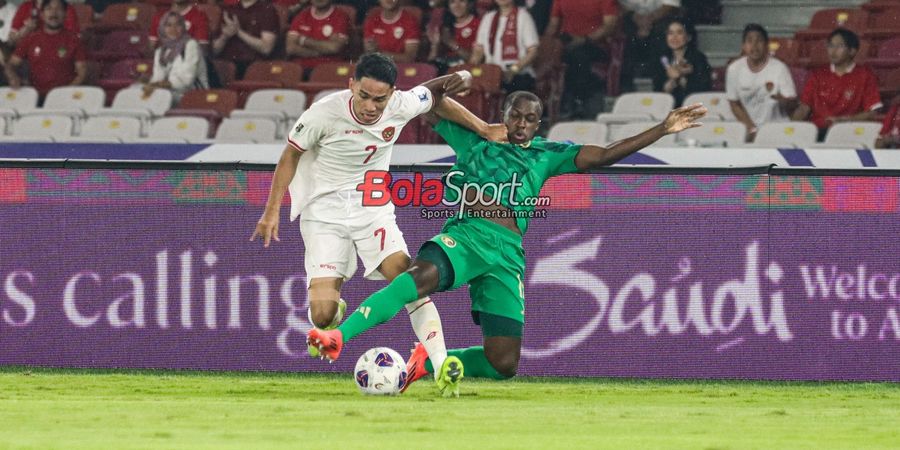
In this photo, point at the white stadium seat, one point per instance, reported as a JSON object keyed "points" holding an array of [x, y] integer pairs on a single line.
{"points": [[786, 134], [178, 129], [322, 94], [131, 102], [852, 134], [260, 131], [619, 132], [580, 132], [716, 102], [13, 102], [729, 134], [637, 105], [283, 106], [109, 129], [40, 128]]}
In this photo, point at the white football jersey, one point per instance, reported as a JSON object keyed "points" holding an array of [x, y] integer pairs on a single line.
{"points": [[339, 149]]}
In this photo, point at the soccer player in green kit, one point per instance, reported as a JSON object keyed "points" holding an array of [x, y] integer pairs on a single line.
{"points": [[482, 246]]}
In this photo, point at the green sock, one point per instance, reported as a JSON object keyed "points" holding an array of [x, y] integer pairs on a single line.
{"points": [[474, 363], [380, 306]]}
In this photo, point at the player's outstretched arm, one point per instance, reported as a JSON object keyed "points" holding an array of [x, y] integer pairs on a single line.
{"points": [[451, 110], [595, 156], [448, 85], [267, 227]]}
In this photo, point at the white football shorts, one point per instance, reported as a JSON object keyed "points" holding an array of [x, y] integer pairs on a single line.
{"points": [[336, 228]]}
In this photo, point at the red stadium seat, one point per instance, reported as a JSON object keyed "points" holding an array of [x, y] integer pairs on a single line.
{"points": [[410, 75], [327, 76], [267, 75], [884, 25], [85, 14], [126, 16], [211, 104], [785, 49], [122, 44], [124, 73], [825, 21], [889, 84], [888, 56], [213, 17], [226, 70]]}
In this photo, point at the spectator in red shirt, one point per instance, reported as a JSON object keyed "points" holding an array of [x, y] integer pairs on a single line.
{"points": [[841, 92], [394, 32], [28, 19], [55, 56], [318, 34], [890, 131], [196, 21], [249, 33], [583, 26], [453, 39]]}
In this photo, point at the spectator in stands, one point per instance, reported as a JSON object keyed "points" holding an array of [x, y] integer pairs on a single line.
{"points": [[394, 31], [178, 63], [682, 68], [249, 33], [540, 11], [507, 37], [195, 20], [759, 87], [28, 18], [584, 27], [7, 13], [841, 92], [452, 41], [890, 131], [318, 34], [294, 6], [644, 23], [100, 5], [54, 54]]}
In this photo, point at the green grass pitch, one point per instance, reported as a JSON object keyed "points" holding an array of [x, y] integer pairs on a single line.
{"points": [[91, 409]]}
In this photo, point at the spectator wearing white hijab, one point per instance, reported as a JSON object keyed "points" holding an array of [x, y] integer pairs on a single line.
{"points": [[178, 63]]}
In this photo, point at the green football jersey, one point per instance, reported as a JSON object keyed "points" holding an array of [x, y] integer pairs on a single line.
{"points": [[517, 172]]}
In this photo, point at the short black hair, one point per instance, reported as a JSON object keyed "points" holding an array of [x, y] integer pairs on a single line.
{"points": [[850, 38], [512, 98], [377, 67], [755, 27], [46, 4]]}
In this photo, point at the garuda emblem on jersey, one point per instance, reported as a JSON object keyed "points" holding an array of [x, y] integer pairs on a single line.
{"points": [[388, 133]]}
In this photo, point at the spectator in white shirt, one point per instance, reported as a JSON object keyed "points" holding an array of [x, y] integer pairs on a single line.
{"points": [[178, 63], [508, 38], [759, 87]]}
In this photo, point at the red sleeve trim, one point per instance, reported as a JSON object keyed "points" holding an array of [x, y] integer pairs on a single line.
{"points": [[296, 146]]}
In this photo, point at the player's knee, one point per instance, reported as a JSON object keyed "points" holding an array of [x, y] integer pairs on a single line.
{"points": [[425, 275], [507, 365], [322, 315]]}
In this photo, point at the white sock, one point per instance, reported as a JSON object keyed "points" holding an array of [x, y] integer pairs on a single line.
{"points": [[426, 322]]}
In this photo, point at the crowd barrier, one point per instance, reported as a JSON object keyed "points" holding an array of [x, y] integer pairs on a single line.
{"points": [[751, 273]]}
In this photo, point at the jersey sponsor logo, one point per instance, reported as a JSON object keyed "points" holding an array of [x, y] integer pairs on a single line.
{"points": [[327, 266], [388, 133], [353, 131], [448, 241]]}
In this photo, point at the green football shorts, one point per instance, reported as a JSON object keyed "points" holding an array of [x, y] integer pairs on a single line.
{"points": [[490, 259]]}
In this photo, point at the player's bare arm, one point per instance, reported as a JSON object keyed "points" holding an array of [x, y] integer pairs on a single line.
{"points": [[595, 156], [451, 110], [267, 227], [448, 85]]}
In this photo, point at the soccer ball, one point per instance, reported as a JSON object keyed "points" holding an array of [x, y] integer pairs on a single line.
{"points": [[380, 371]]}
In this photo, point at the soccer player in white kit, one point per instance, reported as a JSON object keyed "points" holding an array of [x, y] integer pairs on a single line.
{"points": [[330, 148]]}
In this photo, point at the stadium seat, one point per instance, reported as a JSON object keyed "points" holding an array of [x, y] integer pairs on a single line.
{"points": [[126, 16], [178, 129], [785, 49], [888, 56], [40, 128], [884, 25], [580, 132], [889, 83], [786, 134], [108, 129], [724, 134], [618, 132], [283, 106], [638, 106], [716, 102], [77, 102], [327, 76], [121, 74], [817, 53], [17, 101], [410, 75], [85, 14], [259, 131], [222, 101], [267, 75], [132, 103], [322, 94], [799, 75], [826, 20], [410, 134], [852, 135], [122, 44]]}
